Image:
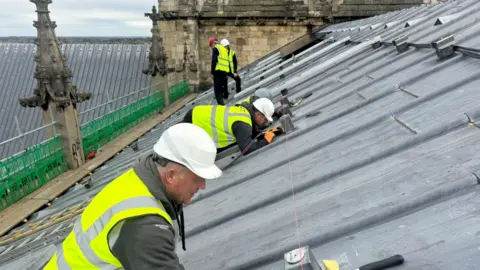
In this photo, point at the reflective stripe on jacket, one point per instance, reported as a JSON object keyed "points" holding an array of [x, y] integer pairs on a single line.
{"points": [[230, 60], [87, 245], [222, 62], [217, 121]]}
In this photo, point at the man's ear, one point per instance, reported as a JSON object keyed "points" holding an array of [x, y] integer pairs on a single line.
{"points": [[169, 175]]}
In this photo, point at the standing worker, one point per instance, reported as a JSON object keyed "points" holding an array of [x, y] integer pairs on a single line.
{"points": [[230, 125], [232, 60], [129, 224], [219, 70]]}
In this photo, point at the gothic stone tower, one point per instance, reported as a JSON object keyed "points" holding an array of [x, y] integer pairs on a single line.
{"points": [[157, 58], [55, 92]]}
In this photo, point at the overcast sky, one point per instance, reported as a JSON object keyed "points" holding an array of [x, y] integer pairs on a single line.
{"points": [[79, 17]]}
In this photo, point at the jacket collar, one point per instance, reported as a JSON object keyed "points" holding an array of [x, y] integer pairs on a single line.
{"points": [[146, 170]]}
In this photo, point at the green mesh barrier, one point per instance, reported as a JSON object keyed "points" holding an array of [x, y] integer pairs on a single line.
{"points": [[177, 91], [102, 130], [21, 175]]}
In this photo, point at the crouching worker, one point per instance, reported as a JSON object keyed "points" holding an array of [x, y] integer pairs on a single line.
{"points": [[230, 125]]}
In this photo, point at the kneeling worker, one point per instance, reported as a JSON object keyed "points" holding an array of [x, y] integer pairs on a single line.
{"points": [[229, 125], [129, 224]]}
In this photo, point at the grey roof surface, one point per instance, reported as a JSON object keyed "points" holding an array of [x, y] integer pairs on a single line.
{"points": [[115, 69], [383, 161]]}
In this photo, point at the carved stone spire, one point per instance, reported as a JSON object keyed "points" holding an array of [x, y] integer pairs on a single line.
{"points": [[54, 78], [157, 57], [55, 92]]}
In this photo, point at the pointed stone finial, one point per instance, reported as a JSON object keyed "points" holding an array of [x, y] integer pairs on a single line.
{"points": [[157, 58], [154, 16], [51, 86]]}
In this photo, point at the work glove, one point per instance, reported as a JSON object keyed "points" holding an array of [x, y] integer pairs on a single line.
{"points": [[271, 133], [277, 130]]}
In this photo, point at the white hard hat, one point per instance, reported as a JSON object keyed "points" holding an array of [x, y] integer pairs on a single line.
{"points": [[265, 106], [224, 42], [263, 93], [191, 146]]}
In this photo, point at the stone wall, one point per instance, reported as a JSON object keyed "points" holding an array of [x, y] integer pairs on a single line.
{"points": [[286, 8], [254, 28], [250, 43], [365, 8], [189, 55], [181, 46]]}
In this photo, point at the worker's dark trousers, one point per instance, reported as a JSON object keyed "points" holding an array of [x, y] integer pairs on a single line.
{"points": [[238, 82], [220, 86]]}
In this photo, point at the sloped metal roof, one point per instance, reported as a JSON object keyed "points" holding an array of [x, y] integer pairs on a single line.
{"points": [[384, 160], [109, 71]]}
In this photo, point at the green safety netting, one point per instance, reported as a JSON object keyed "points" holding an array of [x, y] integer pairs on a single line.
{"points": [[178, 91], [99, 132], [21, 175], [102, 130]]}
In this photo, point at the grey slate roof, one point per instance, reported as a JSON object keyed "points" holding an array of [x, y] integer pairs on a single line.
{"points": [[115, 69], [383, 160]]}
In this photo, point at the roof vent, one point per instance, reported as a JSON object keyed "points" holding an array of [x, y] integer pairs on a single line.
{"points": [[301, 258], [444, 47], [413, 22], [285, 109], [377, 45], [287, 123], [284, 100], [401, 44], [462, 14]]}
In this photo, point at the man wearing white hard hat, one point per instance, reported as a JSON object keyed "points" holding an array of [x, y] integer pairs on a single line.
{"points": [[130, 223], [233, 65], [260, 93], [230, 125]]}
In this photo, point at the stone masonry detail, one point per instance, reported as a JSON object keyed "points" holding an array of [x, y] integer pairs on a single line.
{"points": [[254, 28]]}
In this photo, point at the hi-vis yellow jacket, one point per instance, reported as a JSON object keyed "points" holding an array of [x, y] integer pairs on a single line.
{"points": [[87, 246], [230, 60], [217, 121], [222, 62]]}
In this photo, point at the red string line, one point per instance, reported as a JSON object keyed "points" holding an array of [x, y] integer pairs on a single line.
{"points": [[293, 189]]}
